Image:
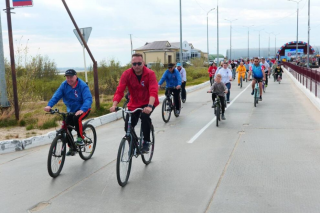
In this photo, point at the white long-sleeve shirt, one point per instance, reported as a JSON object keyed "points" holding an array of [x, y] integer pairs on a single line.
{"points": [[183, 74]]}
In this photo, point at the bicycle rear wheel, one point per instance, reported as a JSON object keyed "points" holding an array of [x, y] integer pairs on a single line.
{"points": [[147, 157], [90, 140], [217, 114], [241, 82], [166, 110], [124, 161], [56, 156]]}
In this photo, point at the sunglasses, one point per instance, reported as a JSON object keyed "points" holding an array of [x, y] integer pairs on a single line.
{"points": [[170, 68], [138, 63]]}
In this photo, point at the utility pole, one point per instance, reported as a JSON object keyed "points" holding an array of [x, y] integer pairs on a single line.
{"points": [[297, 26], [13, 66], [269, 43], [259, 41], [248, 39], [208, 34], [181, 60], [230, 35], [131, 46], [275, 44], [4, 103], [217, 33]]}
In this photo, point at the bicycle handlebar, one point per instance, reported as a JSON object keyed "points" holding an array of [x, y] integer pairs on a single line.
{"points": [[127, 111], [56, 111]]}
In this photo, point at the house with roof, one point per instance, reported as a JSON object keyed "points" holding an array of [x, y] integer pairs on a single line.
{"points": [[168, 52]]}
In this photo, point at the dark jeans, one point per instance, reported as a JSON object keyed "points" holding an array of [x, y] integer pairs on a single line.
{"points": [[183, 90], [176, 97], [76, 121], [266, 79], [228, 85], [221, 101], [278, 74], [145, 122], [210, 80]]}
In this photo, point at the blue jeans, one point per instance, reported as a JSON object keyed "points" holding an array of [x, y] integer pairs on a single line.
{"points": [[228, 85]]}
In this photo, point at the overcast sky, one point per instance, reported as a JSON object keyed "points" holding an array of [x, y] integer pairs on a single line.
{"points": [[48, 30]]}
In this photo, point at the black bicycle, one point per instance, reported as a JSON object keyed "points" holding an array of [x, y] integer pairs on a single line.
{"points": [[218, 107], [168, 105], [125, 106], [131, 146], [57, 151]]}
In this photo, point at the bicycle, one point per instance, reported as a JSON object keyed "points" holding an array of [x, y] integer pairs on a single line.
{"points": [[168, 105], [218, 107], [241, 81], [263, 86], [278, 78], [256, 94], [131, 146], [57, 151], [125, 106]]}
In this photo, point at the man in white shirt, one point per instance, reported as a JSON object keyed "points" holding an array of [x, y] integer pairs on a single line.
{"points": [[183, 81], [226, 75], [266, 69]]}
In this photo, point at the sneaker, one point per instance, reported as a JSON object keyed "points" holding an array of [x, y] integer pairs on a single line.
{"points": [[238, 84], [70, 152], [177, 112], [183, 100], [266, 85], [79, 142], [252, 92], [222, 117], [260, 99], [213, 105], [228, 102], [145, 147]]}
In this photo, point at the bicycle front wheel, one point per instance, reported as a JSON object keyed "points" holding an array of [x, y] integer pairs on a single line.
{"points": [[146, 158], [166, 110], [217, 114], [241, 82], [255, 98], [56, 156], [90, 140], [124, 161]]}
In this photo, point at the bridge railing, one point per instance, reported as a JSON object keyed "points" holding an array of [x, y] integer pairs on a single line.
{"points": [[308, 77]]}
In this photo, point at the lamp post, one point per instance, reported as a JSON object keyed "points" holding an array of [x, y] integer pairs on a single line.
{"points": [[259, 41], [297, 25], [248, 38], [269, 43], [218, 33], [181, 60], [208, 33], [230, 34], [275, 43], [308, 34]]}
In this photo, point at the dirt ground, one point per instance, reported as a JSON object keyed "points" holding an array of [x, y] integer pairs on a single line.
{"points": [[21, 133]]}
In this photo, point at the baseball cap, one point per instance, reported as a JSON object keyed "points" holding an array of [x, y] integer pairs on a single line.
{"points": [[170, 65], [70, 72], [178, 64]]}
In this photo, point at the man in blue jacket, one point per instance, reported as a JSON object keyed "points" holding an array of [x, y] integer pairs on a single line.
{"points": [[78, 99], [173, 84]]}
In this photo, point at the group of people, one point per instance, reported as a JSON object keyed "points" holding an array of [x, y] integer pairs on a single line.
{"points": [[221, 77], [142, 86]]}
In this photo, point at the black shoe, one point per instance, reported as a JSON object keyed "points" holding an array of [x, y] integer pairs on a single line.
{"points": [[222, 117], [252, 92], [238, 84], [145, 147], [71, 152], [213, 105], [260, 99], [177, 112], [228, 102]]}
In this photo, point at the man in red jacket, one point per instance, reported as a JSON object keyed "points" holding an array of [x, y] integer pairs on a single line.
{"points": [[143, 88]]}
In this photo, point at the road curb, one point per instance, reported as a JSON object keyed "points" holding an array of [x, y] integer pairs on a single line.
{"points": [[21, 144], [315, 101]]}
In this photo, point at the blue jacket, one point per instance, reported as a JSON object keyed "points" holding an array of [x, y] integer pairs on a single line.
{"points": [[172, 79], [78, 98]]}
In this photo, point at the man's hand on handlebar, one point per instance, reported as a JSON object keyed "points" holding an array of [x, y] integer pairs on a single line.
{"points": [[178, 87], [113, 108], [147, 110], [47, 108]]}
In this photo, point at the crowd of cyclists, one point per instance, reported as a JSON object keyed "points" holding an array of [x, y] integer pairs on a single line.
{"points": [[143, 87]]}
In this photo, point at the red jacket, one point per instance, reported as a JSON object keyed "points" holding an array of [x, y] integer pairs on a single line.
{"points": [[139, 92], [212, 70]]}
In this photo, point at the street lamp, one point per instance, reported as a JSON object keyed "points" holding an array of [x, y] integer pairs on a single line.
{"points": [[308, 33], [275, 43], [230, 34], [181, 59], [259, 41], [297, 24], [217, 33], [248, 38], [208, 34], [269, 43]]}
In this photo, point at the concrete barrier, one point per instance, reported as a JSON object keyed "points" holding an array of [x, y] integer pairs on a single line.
{"points": [[21, 144], [308, 93]]}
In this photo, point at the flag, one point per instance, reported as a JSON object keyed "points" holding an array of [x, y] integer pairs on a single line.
{"points": [[21, 3]]}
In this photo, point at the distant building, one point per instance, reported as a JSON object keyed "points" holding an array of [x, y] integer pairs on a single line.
{"points": [[168, 52]]}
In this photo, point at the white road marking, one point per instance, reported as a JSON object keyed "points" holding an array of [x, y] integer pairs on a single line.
{"points": [[195, 137]]}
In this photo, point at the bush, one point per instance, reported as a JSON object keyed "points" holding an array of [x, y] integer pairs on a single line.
{"points": [[22, 122], [29, 127], [48, 124]]}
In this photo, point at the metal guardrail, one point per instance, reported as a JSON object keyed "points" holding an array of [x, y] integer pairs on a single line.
{"points": [[307, 77]]}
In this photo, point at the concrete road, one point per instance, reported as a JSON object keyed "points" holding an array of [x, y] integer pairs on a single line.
{"points": [[263, 159]]}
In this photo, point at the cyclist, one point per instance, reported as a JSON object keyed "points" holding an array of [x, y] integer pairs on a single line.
{"points": [[173, 79], [78, 99], [226, 77], [258, 75], [242, 72], [266, 70], [142, 86], [221, 89], [233, 68], [184, 81], [212, 70], [278, 71]]}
